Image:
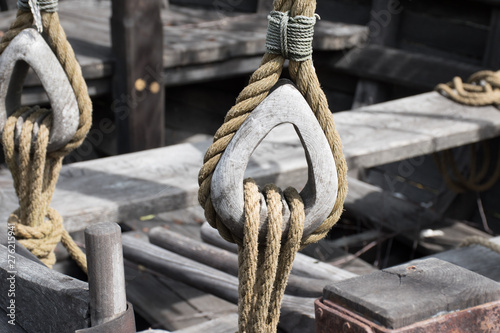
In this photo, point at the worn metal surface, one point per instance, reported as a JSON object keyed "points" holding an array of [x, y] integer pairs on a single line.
{"points": [[125, 323], [27, 50], [482, 318], [284, 105]]}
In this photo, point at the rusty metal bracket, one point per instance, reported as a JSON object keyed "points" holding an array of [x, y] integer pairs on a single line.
{"points": [[482, 318], [125, 323]]}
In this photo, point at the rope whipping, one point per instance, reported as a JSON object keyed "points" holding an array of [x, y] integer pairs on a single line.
{"points": [[34, 170], [264, 268], [481, 89]]}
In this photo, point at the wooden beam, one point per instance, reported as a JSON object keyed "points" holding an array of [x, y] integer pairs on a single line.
{"points": [[137, 44], [400, 67], [415, 291], [40, 298]]}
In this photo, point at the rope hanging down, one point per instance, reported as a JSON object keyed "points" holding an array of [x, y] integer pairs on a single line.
{"points": [[264, 268], [35, 171], [481, 89]]}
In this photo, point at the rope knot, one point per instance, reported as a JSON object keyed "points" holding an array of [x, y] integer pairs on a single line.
{"points": [[290, 36], [41, 240]]}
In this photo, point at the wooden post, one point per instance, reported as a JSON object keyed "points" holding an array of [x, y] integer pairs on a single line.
{"points": [[137, 45], [105, 272]]}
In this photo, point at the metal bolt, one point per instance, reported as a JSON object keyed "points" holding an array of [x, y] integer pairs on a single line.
{"points": [[346, 327], [319, 313]]}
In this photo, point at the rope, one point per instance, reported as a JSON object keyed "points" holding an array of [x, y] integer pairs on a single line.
{"points": [[290, 36], [262, 80], [478, 240], [481, 89], [34, 170], [263, 274], [264, 268]]}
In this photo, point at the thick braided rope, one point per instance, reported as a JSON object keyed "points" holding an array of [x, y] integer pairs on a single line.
{"points": [[38, 226], [478, 240], [264, 274], [481, 89], [263, 79]]}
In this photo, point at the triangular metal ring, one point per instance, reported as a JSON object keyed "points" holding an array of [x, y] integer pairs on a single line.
{"points": [[29, 49], [283, 105]]}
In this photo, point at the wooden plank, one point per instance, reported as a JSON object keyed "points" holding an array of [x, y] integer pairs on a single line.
{"points": [[136, 32], [475, 258], [41, 295], [418, 290], [148, 182], [400, 67], [297, 313]]}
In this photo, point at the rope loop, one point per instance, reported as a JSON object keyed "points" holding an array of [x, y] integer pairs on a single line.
{"points": [[290, 36], [35, 170]]}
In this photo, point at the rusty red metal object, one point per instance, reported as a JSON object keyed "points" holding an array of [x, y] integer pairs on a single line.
{"points": [[482, 318], [125, 323]]}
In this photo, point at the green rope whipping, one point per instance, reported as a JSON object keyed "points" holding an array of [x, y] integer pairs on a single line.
{"points": [[290, 36]]}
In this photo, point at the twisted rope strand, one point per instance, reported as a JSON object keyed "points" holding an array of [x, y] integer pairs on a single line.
{"points": [[34, 170]]}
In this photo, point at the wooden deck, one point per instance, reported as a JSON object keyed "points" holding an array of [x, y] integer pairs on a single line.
{"points": [[199, 44]]}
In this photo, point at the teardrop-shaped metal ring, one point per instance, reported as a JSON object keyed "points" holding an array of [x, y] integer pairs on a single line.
{"points": [[283, 105], [29, 49]]}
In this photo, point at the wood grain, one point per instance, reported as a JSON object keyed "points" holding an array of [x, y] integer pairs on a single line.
{"points": [[105, 272], [412, 292], [45, 300]]}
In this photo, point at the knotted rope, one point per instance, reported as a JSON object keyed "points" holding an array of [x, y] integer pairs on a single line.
{"points": [[264, 268], [34, 170], [481, 89]]}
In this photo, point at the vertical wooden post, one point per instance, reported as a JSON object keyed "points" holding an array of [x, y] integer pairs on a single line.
{"points": [[137, 45], [105, 271]]}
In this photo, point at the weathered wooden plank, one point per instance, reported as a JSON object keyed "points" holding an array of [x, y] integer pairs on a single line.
{"points": [[475, 258], [227, 262], [302, 266], [405, 294], [297, 313], [152, 181], [400, 67], [42, 299]]}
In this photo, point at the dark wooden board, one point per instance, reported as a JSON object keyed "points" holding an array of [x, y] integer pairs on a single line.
{"points": [[45, 300], [400, 67], [402, 295]]}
